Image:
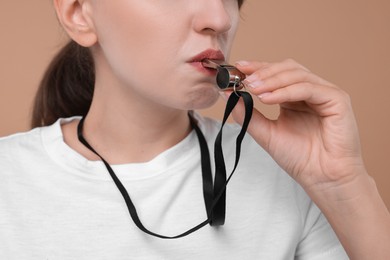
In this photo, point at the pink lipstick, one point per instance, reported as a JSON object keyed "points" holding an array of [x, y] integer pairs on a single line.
{"points": [[197, 60]]}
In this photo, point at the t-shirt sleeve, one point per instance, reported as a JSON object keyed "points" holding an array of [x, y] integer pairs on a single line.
{"points": [[318, 241]]}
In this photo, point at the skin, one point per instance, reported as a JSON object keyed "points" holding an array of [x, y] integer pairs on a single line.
{"points": [[317, 123], [126, 99], [135, 115]]}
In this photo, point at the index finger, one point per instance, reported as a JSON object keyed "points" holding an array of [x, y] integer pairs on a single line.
{"points": [[248, 67]]}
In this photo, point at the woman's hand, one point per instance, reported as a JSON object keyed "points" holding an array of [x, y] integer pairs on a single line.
{"points": [[315, 138]]}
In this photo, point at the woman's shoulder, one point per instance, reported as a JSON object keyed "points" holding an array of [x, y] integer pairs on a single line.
{"points": [[34, 137], [19, 138], [19, 144], [27, 144]]}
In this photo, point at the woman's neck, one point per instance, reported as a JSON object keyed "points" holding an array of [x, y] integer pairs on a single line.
{"points": [[125, 126], [135, 137], [128, 132]]}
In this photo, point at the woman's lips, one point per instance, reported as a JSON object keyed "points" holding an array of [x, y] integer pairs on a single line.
{"points": [[197, 60], [198, 65], [208, 54]]}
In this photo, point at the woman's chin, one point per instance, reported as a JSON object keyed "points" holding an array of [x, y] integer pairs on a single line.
{"points": [[202, 100]]}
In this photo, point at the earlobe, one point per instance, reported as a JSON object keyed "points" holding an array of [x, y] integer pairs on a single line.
{"points": [[74, 16]]}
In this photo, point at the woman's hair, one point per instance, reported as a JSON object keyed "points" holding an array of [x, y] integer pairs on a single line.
{"points": [[67, 86]]}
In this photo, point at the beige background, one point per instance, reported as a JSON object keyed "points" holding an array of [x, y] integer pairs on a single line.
{"points": [[345, 41]]}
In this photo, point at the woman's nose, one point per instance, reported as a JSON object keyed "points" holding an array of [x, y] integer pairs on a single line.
{"points": [[213, 17]]}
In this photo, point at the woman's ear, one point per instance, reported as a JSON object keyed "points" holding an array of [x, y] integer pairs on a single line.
{"points": [[75, 17]]}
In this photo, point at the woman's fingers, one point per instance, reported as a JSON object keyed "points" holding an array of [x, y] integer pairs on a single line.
{"points": [[248, 67], [266, 77], [287, 81], [281, 79], [323, 99], [295, 89]]}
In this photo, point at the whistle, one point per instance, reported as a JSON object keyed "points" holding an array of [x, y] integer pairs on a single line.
{"points": [[228, 76]]}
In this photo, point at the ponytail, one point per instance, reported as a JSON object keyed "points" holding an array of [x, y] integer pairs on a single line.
{"points": [[66, 88]]}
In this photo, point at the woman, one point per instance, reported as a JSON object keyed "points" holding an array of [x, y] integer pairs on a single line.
{"points": [[144, 62]]}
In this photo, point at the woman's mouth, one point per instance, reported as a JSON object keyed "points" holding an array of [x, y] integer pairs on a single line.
{"points": [[199, 66], [198, 61]]}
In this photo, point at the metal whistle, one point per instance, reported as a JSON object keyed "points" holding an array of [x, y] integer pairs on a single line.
{"points": [[228, 76]]}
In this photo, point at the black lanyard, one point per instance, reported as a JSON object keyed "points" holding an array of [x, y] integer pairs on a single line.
{"points": [[214, 195]]}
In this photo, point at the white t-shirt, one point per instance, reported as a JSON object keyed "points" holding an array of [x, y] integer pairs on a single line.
{"points": [[55, 204]]}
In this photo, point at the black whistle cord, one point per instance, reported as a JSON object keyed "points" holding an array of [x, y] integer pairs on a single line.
{"points": [[214, 195]]}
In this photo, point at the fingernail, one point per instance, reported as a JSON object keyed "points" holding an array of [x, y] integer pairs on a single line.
{"points": [[242, 63], [264, 95], [253, 81], [255, 84]]}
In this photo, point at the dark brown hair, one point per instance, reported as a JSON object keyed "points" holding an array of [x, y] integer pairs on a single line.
{"points": [[67, 86]]}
